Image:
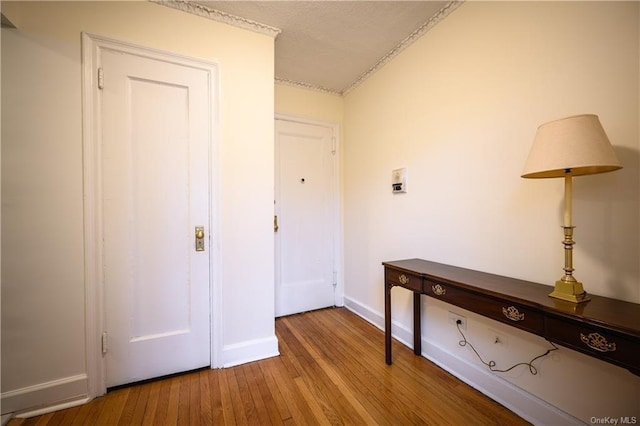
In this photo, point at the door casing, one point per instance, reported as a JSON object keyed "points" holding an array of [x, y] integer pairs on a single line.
{"points": [[336, 200], [92, 45]]}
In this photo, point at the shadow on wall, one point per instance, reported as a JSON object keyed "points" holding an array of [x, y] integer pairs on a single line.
{"points": [[606, 211]]}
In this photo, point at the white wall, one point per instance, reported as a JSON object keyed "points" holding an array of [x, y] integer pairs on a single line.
{"points": [[459, 109], [43, 323]]}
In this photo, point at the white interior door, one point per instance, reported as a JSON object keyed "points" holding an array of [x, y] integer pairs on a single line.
{"points": [[305, 268], [155, 183]]}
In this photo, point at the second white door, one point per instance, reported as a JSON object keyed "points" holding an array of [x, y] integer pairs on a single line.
{"points": [[304, 207], [155, 180]]}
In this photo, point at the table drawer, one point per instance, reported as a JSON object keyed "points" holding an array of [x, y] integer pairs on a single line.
{"points": [[499, 310], [594, 342], [403, 279]]}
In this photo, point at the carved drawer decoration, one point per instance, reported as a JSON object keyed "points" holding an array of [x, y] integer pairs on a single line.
{"points": [[438, 290], [403, 279], [598, 342], [513, 313]]}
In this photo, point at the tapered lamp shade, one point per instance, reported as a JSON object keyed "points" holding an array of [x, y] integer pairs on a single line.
{"points": [[577, 145]]}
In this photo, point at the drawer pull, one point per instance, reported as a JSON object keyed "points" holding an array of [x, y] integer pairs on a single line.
{"points": [[598, 342], [403, 279], [438, 290], [513, 314]]}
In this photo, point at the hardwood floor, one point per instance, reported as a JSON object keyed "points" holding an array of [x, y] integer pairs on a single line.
{"points": [[331, 371]]}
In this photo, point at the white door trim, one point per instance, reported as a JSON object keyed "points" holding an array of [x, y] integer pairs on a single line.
{"points": [[336, 199], [92, 46]]}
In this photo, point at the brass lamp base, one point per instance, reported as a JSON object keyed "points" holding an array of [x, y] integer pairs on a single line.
{"points": [[571, 291]]}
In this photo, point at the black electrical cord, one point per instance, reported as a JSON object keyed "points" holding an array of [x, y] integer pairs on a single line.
{"points": [[491, 364]]}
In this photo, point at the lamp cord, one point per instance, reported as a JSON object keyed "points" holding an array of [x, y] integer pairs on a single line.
{"points": [[491, 364]]}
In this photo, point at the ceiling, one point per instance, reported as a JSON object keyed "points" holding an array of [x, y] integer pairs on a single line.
{"points": [[334, 45]]}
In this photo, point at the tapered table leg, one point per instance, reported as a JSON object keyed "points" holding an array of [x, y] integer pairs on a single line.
{"points": [[387, 322], [417, 333]]}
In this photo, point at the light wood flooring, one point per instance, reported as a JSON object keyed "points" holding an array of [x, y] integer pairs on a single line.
{"points": [[331, 371]]}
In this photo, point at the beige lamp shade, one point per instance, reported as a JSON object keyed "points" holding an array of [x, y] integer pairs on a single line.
{"points": [[574, 145]]}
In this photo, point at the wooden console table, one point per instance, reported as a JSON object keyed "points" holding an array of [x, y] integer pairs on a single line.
{"points": [[607, 329]]}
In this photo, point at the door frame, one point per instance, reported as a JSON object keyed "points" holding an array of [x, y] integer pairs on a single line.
{"points": [[92, 46], [336, 198]]}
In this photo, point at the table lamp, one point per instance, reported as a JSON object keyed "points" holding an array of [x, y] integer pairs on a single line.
{"points": [[571, 146]]}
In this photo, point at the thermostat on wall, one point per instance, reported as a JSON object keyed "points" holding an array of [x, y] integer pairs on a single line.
{"points": [[399, 180]]}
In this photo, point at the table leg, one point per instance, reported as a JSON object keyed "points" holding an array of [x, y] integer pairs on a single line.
{"points": [[417, 333], [387, 322]]}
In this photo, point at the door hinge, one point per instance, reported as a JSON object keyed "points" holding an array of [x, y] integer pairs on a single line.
{"points": [[335, 278], [333, 145], [100, 78], [104, 342]]}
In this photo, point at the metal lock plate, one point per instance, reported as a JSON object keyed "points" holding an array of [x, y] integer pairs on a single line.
{"points": [[199, 238]]}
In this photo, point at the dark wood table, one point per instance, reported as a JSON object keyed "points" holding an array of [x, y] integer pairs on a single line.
{"points": [[604, 328]]}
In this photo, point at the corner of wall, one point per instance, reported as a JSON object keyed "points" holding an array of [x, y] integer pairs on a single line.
{"points": [[249, 351]]}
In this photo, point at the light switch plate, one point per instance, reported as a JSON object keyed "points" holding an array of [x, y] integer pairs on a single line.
{"points": [[399, 180]]}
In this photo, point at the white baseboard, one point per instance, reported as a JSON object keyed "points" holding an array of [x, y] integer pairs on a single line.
{"points": [[71, 391], [398, 331], [253, 350], [36, 397], [521, 402], [51, 408]]}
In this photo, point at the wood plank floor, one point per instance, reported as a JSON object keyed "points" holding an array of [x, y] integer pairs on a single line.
{"points": [[331, 371]]}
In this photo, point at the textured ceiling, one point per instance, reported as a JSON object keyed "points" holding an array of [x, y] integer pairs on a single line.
{"points": [[330, 45]]}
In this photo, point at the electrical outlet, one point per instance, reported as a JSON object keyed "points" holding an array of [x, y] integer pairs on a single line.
{"points": [[498, 338], [454, 318]]}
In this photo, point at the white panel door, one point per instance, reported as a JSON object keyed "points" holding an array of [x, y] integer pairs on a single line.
{"points": [[155, 183], [304, 207]]}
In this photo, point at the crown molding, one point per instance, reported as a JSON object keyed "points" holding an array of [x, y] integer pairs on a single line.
{"points": [[248, 24], [219, 16], [301, 85], [408, 41]]}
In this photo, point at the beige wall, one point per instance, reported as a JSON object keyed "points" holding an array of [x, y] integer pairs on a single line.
{"points": [[42, 195], [309, 104], [459, 109]]}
